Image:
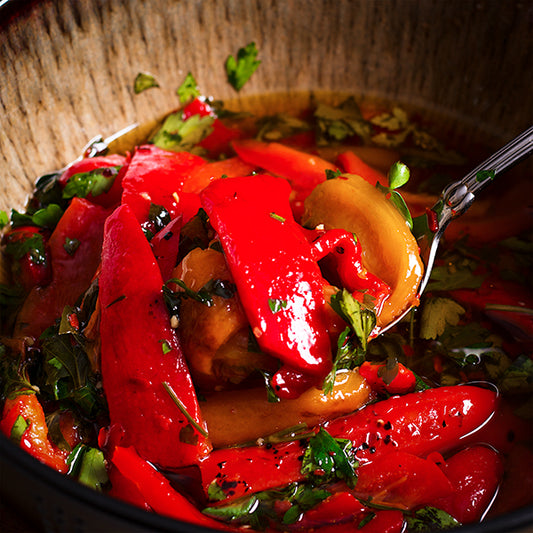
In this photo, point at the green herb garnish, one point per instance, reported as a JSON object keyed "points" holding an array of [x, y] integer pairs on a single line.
{"points": [[240, 70]]}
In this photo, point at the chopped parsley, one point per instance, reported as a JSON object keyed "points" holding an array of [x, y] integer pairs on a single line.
{"points": [[95, 182], [188, 90], [144, 81], [239, 70]]}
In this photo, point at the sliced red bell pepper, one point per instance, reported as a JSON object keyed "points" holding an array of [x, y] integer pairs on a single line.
{"points": [[270, 259], [228, 168], [384, 522], [140, 352], [74, 248], [33, 267], [402, 383], [303, 170], [157, 491], [418, 423], [475, 474], [157, 176], [346, 252], [402, 480], [165, 245], [88, 164], [25, 409], [353, 164]]}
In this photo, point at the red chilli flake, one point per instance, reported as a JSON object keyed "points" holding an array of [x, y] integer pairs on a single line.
{"points": [[433, 222]]}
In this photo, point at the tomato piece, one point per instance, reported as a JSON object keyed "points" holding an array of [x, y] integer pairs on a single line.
{"points": [[73, 267], [475, 474], [157, 176], [34, 439], [140, 352]]}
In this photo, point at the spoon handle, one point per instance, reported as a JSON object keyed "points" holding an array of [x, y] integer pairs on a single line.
{"points": [[459, 195]]}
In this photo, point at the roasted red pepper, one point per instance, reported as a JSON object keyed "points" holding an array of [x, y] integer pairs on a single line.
{"points": [[403, 382], [475, 474], [402, 480], [25, 409], [279, 283], [353, 164], [74, 248], [157, 176], [418, 423], [303, 170], [140, 352], [348, 267], [156, 490], [165, 245]]}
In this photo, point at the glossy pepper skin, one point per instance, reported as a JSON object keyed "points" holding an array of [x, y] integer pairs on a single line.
{"points": [[34, 439], [72, 268], [419, 423], [278, 280], [402, 383], [140, 351]]}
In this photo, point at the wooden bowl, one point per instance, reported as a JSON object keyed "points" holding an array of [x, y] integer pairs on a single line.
{"points": [[67, 75]]}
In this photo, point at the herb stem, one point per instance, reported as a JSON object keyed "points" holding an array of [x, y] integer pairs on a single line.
{"points": [[182, 408]]}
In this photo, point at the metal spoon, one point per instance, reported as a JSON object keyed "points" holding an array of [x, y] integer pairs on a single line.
{"points": [[458, 196]]}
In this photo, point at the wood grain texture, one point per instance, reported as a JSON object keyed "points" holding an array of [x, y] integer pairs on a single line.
{"points": [[68, 66]]}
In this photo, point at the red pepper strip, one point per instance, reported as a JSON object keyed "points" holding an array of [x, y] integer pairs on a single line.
{"points": [[218, 141], [353, 164], [34, 439], [112, 197], [125, 489], [229, 168], [340, 507], [140, 352], [403, 382], [156, 176], [73, 267], [279, 283], [402, 480], [475, 474], [157, 491], [349, 268], [303, 170], [418, 423], [26, 270], [165, 245]]}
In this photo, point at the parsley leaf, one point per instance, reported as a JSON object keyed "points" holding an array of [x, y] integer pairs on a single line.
{"points": [[241, 69], [430, 519], [188, 90], [33, 246], [95, 182], [180, 135], [144, 81], [437, 314], [4, 219], [87, 465], [47, 217], [328, 459], [276, 305]]}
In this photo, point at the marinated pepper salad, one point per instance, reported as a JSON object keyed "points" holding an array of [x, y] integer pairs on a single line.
{"points": [[209, 305]]}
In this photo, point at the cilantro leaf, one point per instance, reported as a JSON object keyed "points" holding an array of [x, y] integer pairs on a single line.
{"points": [[328, 459], [241, 69], [188, 90], [144, 81], [437, 314]]}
